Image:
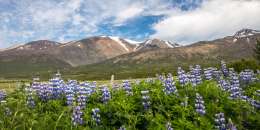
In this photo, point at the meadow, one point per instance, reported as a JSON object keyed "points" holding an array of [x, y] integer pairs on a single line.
{"points": [[200, 99]]}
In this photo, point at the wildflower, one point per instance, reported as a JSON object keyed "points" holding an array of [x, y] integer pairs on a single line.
{"points": [[96, 115], [127, 87], [169, 86], [168, 126], [77, 116], [145, 99], [220, 122], [199, 105], [106, 96], [30, 100]]}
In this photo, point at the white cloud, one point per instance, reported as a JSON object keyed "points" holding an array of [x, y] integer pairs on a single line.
{"points": [[213, 19], [128, 13]]}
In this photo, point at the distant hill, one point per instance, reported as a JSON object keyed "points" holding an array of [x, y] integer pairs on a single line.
{"points": [[101, 56]]}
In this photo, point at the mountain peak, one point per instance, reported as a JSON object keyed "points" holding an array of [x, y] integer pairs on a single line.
{"points": [[245, 33]]}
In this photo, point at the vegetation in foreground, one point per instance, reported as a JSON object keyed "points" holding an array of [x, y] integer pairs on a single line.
{"points": [[199, 99]]}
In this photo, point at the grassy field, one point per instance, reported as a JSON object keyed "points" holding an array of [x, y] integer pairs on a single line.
{"points": [[11, 85]]}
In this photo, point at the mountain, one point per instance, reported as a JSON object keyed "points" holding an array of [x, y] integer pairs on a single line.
{"points": [[149, 62], [101, 56], [51, 55], [155, 44]]}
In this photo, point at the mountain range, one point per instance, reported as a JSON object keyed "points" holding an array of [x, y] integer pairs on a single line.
{"points": [[108, 54]]}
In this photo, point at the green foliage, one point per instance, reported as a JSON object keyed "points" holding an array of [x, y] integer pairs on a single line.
{"points": [[244, 64], [128, 110]]}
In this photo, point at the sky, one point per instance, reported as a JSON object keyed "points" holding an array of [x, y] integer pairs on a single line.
{"points": [[181, 21]]}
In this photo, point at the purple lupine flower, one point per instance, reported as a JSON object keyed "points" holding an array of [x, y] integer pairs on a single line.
{"points": [[247, 76], [30, 101], [56, 87], [230, 125], [145, 99], [106, 96], [235, 87], [77, 116], [127, 87], [225, 85], [195, 75], [96, 115], [217, 74], [82, 93], [220, 122], [45, 92], [182, 76], [69, 93], [168, 126], [36, 87], [197, 72], [199, 105], [169, 85], [208, 73], [255, 103], [93, 87], [2, 95], [224, 68]]}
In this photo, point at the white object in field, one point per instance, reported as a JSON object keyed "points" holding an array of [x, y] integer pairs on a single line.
{"points": [[112, 80]]}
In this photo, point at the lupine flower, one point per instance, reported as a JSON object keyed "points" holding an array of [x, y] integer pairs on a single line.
{"points": [[168, 126], [127, 87], [77, 116], [208, 73], [257, 93], [230, 125], [220, 122], [195, 75], [81, 96], [30, 100], [96, 115], [169, 86], [225, 85], [199, 105], [69, 93], [247, 76], [122, 128], [161, 77], [224, 68], [183, 78], [217, 74], [2, 95], [45, 92], [145, 99], [106, 96], [234, 88], [36, 87], [255, 103], [93, 87]]}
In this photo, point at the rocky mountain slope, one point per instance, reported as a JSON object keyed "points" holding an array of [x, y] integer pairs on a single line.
{"points": [[113, 52], [230, 48]]}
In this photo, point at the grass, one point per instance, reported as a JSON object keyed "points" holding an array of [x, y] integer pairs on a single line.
{"points": [[123, 110]]}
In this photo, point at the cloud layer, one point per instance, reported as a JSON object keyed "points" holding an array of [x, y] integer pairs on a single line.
{"points": [[182, 21], [213, 19]]}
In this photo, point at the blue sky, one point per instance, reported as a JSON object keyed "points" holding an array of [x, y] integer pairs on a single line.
{"points": [[182, 21]]}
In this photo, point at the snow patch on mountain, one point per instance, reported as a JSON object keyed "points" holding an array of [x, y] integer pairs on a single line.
{"points": [[117, 39], [132, 41], [246, 33]]}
